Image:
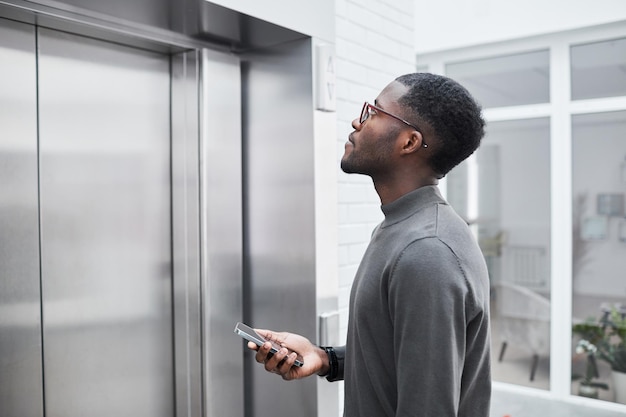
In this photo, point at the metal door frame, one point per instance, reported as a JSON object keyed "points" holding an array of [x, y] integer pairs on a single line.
{"points": [[206, 163], [206, 240]]}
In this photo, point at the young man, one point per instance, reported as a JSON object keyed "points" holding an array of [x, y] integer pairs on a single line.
{"points": [[418, 334]]}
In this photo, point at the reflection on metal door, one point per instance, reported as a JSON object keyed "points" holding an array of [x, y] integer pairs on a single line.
{"points": [[105, 228], [21, 393], [109, 191]]}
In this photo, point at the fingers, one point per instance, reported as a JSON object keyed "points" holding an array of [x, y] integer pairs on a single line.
{"points": [[272, 361], [278, 338], [282, 362], [279, 363], [265, 333], [263, 353], [285, 367]]}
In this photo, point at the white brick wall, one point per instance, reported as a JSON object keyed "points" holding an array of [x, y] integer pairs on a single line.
{"points": [[374, 45]]}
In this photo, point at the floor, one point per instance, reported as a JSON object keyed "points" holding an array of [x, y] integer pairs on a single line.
{"points": [[506, 402]]}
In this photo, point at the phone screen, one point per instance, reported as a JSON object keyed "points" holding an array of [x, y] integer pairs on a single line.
{"points": [[248, 333]]}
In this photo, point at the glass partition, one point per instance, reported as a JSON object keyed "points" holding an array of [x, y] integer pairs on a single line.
{"points": [[599, 249], [506, 193], [598, 69], [510, 80], [503, 191]]}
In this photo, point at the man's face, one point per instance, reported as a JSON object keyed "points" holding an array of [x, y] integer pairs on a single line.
{"points": [[370, 147]]}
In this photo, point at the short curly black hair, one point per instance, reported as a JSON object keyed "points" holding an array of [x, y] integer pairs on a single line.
{"points": [[450, 111]]}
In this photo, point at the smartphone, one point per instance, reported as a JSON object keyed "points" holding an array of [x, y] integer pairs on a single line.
{"points": [[248, 333]]}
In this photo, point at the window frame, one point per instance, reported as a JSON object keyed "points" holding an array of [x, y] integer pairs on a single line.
{"points": [[559, 110]]}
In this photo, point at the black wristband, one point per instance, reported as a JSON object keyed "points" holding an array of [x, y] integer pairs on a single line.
{"points": [[333, 363]]}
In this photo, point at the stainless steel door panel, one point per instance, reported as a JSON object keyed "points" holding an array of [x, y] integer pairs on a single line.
{"points": [[105, 228], [21, 392], [186, 234], [279, 214], [222, 241]]}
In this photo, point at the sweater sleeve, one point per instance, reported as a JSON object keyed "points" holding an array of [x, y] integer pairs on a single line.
{"points": [[428, 297]]}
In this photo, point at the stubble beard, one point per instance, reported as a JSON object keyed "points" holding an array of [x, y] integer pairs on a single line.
{"points": [[347, 166], [369, 161]]}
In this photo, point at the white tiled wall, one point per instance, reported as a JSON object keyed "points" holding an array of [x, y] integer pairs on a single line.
{"points": [[374, 45]]}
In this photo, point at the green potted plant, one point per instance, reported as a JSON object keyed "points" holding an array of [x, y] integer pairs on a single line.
{"points": [[608, 338], [588, 386], [614, 348]]}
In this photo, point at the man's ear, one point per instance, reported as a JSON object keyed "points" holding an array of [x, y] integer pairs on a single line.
{"points": [[412, 142]]}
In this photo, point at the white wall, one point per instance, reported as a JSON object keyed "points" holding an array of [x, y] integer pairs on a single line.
{"points": [[448, 24], [313, 18]]}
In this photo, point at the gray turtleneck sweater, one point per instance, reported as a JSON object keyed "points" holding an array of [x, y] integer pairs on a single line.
{"points": [[418, 334]]}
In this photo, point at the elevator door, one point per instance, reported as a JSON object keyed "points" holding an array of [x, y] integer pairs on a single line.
{"points": [[86, 284], [21, 392], [104, 135]]}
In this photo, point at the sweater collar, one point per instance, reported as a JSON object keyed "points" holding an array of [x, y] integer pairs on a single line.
{"points": [[411, 203]]}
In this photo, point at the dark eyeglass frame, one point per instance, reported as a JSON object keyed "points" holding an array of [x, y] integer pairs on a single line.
{"points": [[365, 114]]}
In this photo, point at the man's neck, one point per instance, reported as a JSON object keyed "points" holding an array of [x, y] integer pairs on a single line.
{"points": [[390, 192]]}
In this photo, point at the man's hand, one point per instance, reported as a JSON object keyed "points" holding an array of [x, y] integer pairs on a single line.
{"points": [[282, 363]]}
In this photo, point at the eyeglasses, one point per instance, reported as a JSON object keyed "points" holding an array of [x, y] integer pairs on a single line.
{"points": [[366, 112]]}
